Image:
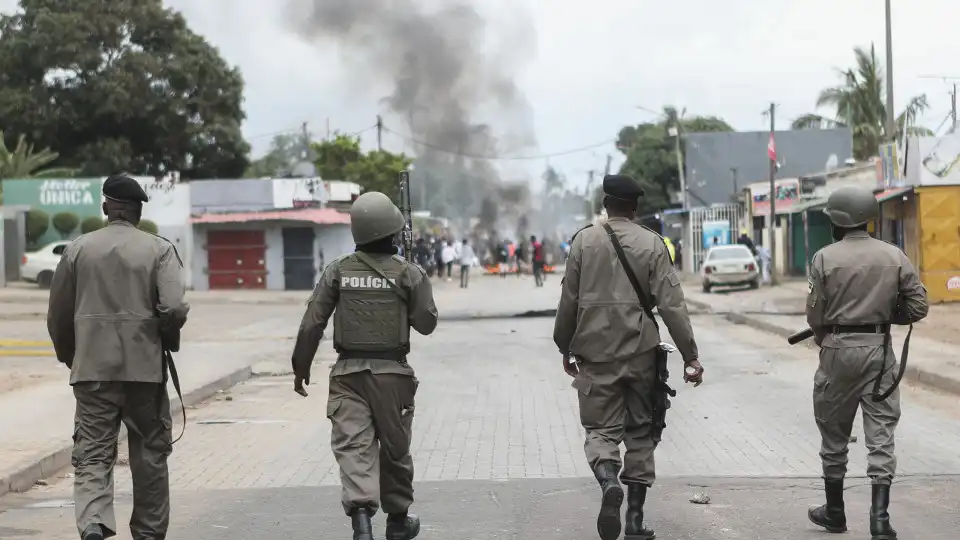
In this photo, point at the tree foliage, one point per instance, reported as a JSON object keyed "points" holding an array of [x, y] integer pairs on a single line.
{"points": [[651, 157], [285, 151], [65, 223], [341, 158], [23, 162], [859, 103], [37, 224], [91, 224], [120, 86]]}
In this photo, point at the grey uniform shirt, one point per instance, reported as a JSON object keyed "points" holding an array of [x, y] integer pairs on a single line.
{"points": [[108, 294], [421, 310], [599, 318], [862, 280]]}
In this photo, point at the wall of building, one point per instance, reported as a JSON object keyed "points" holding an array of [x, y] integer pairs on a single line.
{"points": [[247, 195], [331, 242], [933, 161], [719, 165], [80, 196]]}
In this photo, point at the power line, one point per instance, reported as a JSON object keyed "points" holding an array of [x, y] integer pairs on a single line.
{"points": [[297, 129], [496, 157]]}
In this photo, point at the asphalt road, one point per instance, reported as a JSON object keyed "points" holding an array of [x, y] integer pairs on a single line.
{"points": [[498, 451]]}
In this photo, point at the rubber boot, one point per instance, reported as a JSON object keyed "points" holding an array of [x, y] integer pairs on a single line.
{"points": [[402, 526], [634, 529], [830, 516], [608, 521], [880, 528], [362, 527], [92, 532]]}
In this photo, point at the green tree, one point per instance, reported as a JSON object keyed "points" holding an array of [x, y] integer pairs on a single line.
{"points": [[23, 162], [37, 224], [148, 226], [65, 223], [120, 86], [91, 224], [342, 159], [651, 157], [285, 151], [859, 103]]}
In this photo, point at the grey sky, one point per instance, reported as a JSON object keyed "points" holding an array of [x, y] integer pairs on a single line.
{"points": [[597, 60]]}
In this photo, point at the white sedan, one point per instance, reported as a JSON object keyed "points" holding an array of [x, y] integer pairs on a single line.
{"points": [[729, 266], [38, 266]]}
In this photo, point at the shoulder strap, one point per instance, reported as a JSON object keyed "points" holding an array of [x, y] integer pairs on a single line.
{"points": [[644, 303], [365, 259]]}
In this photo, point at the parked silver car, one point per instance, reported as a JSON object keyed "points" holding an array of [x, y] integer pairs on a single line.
{"points": [[729, 266]]}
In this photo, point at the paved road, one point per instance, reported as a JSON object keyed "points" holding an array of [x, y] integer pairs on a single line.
{"points": [[499, 451]]}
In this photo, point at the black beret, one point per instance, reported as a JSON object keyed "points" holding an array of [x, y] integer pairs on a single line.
{"points": [[122, 188], [622, 186]]}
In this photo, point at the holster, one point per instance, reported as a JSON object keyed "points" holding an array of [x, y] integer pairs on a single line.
{"points": [[661, 394]]}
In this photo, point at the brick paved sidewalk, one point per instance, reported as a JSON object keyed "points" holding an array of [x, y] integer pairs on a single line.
{"points": [[934, 357]]}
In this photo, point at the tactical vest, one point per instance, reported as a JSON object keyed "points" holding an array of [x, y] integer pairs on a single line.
{"points": [[371, 317]]}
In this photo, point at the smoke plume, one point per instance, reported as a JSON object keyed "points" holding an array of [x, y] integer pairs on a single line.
{"points": [[444, 77]]}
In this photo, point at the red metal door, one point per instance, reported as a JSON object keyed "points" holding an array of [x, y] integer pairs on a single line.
{"points": [[237, 259]]}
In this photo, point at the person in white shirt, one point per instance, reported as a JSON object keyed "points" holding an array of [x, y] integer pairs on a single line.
{"points": [[449, 255], [467, 257]]}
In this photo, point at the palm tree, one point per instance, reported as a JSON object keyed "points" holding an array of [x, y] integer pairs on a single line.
{"points": [[23, 162], [859, 103]]}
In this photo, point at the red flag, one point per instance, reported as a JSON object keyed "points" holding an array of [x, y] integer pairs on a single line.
{"points": [[772, 149]]}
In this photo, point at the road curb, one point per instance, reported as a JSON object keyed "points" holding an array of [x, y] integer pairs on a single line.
{"points": [[913, 373], [46, 466]]}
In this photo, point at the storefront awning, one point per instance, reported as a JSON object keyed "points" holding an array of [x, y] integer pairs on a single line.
{"points": [[320, 216], [890, 193]]}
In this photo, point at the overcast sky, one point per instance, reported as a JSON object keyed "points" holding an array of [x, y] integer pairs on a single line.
{"points": [[596, 61]]}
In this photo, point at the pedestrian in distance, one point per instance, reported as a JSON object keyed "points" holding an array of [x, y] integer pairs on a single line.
{"points": [[536, 251], [467, 257], [618, 366], [858, 287], [374, 298], [116, 310]]}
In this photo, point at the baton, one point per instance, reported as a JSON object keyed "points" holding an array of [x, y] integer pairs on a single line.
{"points": [[802, 335]]}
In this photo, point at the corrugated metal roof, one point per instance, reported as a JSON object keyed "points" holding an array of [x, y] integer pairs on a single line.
{"points": [[320, 216]]}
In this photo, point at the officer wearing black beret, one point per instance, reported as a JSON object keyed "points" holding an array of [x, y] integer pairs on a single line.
{"points": [[616, 275], [131, 284], [622, 187], [121, 188]]}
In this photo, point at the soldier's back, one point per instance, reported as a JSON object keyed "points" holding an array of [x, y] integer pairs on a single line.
{"points": [[861, 279], [117, 329]]}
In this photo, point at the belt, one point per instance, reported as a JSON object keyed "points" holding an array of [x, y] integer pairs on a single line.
{"points": [[859, 328], [395, 356]]}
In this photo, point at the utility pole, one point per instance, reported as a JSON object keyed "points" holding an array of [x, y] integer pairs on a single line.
{"points": [[953, 98], [772, 219], [675, 132], [606, 169], [379, 133], [891, 121]]}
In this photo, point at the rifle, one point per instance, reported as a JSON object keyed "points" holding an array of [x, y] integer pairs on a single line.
{"points": [[407, 211]]}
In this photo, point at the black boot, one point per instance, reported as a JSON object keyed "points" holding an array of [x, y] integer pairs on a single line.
{"points": [[92, 532], [831, 515], [634, 530], [608, 522], [880, 528], [362, 528], [402, 526]]}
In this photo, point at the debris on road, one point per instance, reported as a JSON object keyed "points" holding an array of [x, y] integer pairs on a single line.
{"points": [[700, 498]]}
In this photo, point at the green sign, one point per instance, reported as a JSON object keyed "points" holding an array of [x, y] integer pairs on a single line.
{"points": [[80, 196]]}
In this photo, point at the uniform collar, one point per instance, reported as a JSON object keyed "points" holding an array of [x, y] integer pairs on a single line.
{"points": [[120, 222], [618, 219], [857, 234]]}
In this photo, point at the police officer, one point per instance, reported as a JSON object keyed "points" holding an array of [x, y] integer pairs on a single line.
{"points": [[609, 345], [375, 297], [113, 292], [858, 286]]}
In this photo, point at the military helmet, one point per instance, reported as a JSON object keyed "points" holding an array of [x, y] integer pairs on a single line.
{"points": [[374, 216], [852, 206]]}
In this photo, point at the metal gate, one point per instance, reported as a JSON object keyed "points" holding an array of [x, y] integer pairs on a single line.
{"points": [[299, 267], [694, 248]]}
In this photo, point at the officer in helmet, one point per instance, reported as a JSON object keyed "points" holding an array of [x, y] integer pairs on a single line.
{"points": [[374, 297], [858, 287]]}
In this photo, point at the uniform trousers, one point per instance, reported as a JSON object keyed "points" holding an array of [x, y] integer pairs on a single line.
{"points": [[144, 409]]}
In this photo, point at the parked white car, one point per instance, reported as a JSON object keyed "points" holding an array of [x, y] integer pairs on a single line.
{"points": [[38, 266], [729, 266]]}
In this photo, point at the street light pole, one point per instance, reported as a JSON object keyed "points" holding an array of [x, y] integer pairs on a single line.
{"points": [[891, 121]]}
